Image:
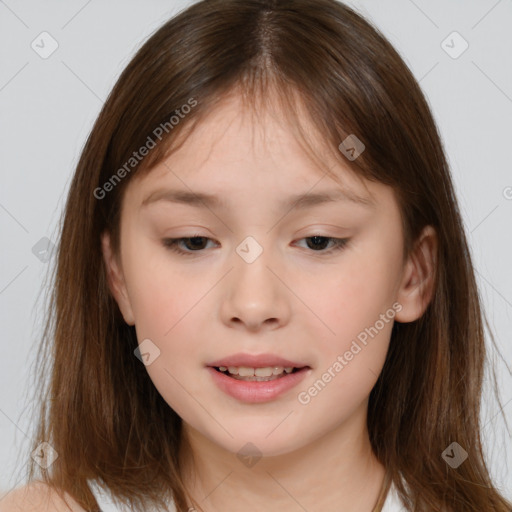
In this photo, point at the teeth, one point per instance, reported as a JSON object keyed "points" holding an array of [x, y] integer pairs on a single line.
{"points": [[244, 371], [263, 372]]}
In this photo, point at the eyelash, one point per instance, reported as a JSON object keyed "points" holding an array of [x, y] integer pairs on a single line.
{"points": [[172, 244]]}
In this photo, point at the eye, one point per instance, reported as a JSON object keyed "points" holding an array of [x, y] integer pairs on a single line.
{"points": [[196, 243], [316, 240], [173, 244]]}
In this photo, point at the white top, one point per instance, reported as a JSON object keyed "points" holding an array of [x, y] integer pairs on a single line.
{"points": [[392, 503], [106, 503]]}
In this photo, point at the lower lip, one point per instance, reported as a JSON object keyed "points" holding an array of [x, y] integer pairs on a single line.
{"points": [[257, 392]]}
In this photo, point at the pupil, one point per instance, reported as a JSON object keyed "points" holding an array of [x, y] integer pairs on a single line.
{"points": [[195, 238], [317, 238]]}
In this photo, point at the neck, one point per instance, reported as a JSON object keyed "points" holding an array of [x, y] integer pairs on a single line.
{"points": [[336, 472]]}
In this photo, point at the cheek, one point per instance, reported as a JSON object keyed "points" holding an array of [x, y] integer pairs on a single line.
{"points": [[351, 349], [164, 303], [168, 300], [353, 296], [159, 292], [156, 306], [356, 308]]}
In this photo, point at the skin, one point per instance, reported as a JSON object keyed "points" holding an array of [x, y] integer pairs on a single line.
{"points": [[295, 300]]}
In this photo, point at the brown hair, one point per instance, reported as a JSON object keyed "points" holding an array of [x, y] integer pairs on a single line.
{"points": [[100, 410]]}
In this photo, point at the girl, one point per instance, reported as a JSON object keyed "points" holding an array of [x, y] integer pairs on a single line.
{"points": [[324, 348]]}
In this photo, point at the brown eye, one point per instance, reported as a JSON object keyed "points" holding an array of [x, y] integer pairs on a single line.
{"points": [[319, 243], [191, 244]]}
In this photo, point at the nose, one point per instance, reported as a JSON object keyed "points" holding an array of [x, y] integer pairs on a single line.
{"points": [[255, 296]]}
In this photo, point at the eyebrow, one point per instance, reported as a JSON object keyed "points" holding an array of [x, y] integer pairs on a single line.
{"points": [[300, 201]]}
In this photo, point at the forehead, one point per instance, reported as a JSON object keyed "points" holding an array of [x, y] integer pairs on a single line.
{"points": [[236, 148]]}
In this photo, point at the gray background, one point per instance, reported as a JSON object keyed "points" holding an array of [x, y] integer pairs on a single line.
{"points": [[47, 108]]}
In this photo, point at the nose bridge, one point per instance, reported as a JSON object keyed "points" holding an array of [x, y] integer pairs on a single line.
{"points": [[255, 295], [252, 277]]}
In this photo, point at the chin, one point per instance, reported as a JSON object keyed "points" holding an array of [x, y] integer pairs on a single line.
{"points": [[262, 439]]}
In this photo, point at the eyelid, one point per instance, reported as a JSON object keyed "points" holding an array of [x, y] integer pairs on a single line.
{"points": [[339, 243]]}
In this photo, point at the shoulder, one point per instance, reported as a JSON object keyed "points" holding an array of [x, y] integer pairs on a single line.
{"points": [[36, 497]]}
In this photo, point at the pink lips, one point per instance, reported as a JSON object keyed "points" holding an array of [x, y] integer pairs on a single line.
{"points": [[254, 391], [256, 361]]}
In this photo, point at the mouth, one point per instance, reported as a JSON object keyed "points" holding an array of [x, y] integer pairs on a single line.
{"points": [[257, 378], [257, 384], [258, 374]]}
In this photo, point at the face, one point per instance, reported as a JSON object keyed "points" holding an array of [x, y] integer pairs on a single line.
{"points": [[255, 277]]}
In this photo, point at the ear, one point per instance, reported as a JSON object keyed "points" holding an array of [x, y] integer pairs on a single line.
{"points": [[417, 286], [116, 280]]}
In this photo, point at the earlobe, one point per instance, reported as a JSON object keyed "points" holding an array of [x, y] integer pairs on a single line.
{"points": [[417, 287], [116, 280]]}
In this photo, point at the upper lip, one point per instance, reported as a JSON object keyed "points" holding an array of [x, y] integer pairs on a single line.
{"points": [[255, 361]]}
